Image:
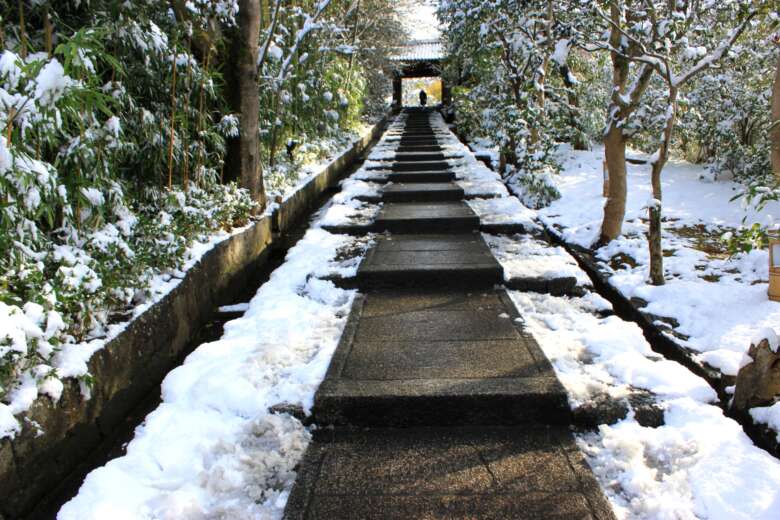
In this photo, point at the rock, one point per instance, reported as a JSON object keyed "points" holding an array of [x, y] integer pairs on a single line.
{"points": [[758, 382], [294, 410], [603, 409], [646, 410]]}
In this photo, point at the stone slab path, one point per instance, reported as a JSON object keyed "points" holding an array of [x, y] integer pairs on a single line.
{"points": [[436, 403], [426, 259]]}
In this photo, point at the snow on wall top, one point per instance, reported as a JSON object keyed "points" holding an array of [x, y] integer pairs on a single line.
{"points": [[420, 50]]}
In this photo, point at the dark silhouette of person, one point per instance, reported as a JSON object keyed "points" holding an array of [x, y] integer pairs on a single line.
{"points": [[423, 98]]}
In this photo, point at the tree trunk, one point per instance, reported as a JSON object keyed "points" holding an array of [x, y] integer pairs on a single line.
{"points": [[615, 208], [540, 99], [244, 163], [542, 75], [774, 136], [47, 32], [275, 129], [615, 142], [654, 209]]}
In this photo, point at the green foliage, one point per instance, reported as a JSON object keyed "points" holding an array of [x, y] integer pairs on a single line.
{"points": [[746, 238], [757, 194]]}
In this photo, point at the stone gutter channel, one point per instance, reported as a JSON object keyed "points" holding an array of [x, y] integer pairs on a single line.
{"points": [[657, 336], [43, 466]]}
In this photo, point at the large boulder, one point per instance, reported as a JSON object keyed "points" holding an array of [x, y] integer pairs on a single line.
{"points": [[758, 381]]}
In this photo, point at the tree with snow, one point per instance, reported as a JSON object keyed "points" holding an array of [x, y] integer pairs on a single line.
{"points": [[668, 40]]}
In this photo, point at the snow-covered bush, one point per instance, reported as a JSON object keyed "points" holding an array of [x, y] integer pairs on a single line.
{"points": [[535, 188], [756, 195], [725, 118], [503, 57], [85, 222]]}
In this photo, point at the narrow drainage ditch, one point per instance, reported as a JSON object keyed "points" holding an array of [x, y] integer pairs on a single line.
{"points": [[114, 445]]}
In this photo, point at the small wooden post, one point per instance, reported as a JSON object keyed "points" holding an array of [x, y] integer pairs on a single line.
{"points": [[774, 270], [605, 189]]}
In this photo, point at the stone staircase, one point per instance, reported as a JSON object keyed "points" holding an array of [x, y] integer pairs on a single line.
{"points": [[437, 404]]}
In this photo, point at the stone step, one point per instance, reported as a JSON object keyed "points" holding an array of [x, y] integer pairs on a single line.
{"points": [[426, 217], [415, 192], [438, 358], [418, 137], [418, 142], [418, 156], [418, 148], [422, 192], [451, 260], [415, 141], [416, 166], [421, 176], [559, 286], [494, 473], [410, 131]]}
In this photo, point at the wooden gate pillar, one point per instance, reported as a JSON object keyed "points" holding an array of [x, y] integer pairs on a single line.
{"points": [[397, 92]]}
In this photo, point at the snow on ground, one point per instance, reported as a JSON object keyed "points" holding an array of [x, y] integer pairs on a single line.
{"points": [[211, 449], [350, 212], [504, 210], [236, 307], [769, 415], [699, 464], [718, 302]]}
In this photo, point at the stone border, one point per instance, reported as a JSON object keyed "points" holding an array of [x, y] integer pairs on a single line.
{"points": [[57, 437]]}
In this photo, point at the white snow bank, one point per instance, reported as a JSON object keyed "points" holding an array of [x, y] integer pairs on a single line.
{"points": [[621, 357], [700, 464], [236, 307], [504, 210], [211, 449], [352, 188], [768, 415], [524, 256], [349, 213]]}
